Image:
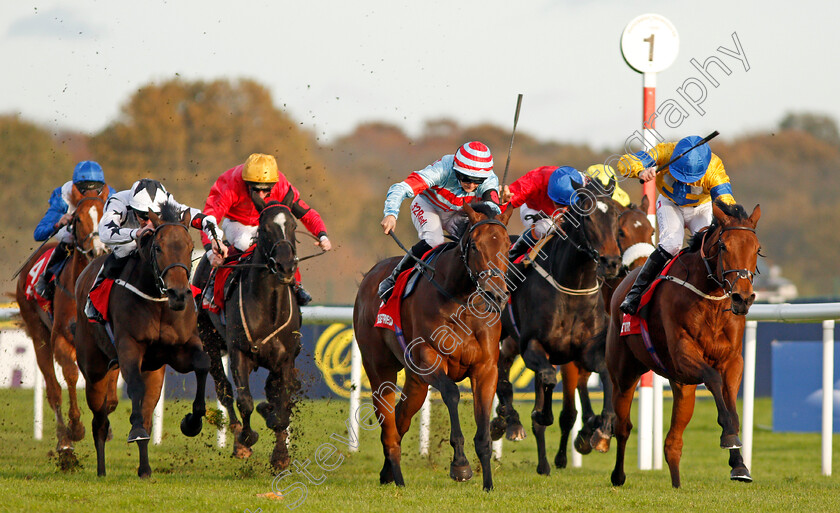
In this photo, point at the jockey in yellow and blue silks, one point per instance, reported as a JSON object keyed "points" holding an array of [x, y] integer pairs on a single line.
{"points": [[686, 191], [87, 175]]}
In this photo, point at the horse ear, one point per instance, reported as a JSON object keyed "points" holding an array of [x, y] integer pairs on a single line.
{"points": [[103, 194], [505, 216], [756, 214], [75, 195], [185, 217], [645, 205], [471, 214], [259, 203], [154, 218], [719, 214]]}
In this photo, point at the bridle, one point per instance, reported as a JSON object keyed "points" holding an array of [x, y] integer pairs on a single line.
{"points": [[156, 271], [723, 282], [78, 245], [465, 244], [268, 252]]}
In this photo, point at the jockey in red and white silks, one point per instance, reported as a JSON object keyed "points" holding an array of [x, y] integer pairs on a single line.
{"points": [[440, 191]]}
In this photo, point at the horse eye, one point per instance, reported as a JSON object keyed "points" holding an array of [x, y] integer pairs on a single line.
{"points": [[158, 250], [621, 233]]}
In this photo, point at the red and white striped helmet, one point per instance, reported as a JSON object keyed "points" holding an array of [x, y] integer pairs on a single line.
{"points": [[474, 159]]}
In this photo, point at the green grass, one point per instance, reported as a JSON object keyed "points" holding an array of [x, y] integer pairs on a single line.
{"points": [[195, 475]]}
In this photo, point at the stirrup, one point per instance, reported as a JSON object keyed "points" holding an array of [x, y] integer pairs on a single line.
{"points": [[303, 297]]}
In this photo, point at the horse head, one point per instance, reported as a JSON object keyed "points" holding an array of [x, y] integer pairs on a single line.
{"points": [[85, 223], [484, 246], [592, 226], [169, 250], [635, 234], [276, 238], [733, 249]]}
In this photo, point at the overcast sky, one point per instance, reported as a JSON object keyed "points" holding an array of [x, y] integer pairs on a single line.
{"points": [[333, 64]]}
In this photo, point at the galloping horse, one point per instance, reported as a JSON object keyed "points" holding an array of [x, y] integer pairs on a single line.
{"points": [[634, 242], [153, 319], [53, 338], [557, 317], [453, 327], [262, 330], [695, 325]]}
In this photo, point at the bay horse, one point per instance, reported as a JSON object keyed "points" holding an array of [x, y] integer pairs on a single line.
{"points": [[557, 317], [53, 337], [152, 318], [696, 325], [452, 323], [635, 234], [262, 329]]}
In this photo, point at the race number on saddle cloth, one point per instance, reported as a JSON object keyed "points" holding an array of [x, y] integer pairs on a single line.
{"points": [[32, 278]]}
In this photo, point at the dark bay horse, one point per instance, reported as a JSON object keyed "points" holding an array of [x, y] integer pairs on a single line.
{"points": [[53, 338], [635, 234], [696, 325], [454, 332], [558, 317], [153, 320], [262, 329]]}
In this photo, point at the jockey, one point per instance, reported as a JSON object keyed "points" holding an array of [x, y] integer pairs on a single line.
{"points": [[686, 191], [126, 220], [87, 175], [230, 200], [542, 193], [603, 173], [440, 191]]}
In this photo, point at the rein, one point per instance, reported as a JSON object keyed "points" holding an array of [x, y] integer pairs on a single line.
{"points": [[157, 273], [743, 274], [77, 244]]}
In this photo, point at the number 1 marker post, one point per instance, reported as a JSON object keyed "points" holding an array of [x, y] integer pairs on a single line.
{"points": [[650, 44]]}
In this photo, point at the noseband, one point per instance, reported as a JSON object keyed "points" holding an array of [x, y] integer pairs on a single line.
{"points": [[157, 272], [464, 245], [723, 282]]}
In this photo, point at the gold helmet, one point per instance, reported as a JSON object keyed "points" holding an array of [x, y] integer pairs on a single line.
{"points": [[603, 174], [260, 168]]}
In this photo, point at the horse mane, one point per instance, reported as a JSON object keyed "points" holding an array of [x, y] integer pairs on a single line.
{"points": [[482, 207], [170, 213], [734, 210]]}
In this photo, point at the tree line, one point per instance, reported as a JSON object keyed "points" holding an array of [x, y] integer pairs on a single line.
{"points": [[187, 133]]}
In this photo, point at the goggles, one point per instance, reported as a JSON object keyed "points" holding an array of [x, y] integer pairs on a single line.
{"points": [[468, 179], [89, 185]]}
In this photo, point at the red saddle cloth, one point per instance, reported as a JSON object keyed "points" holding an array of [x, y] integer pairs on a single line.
{"points": [[99, 298], [389, 312], [630, 324], [32, 278]]}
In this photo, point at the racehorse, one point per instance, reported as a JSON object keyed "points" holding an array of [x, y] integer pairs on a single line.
{"points": [[557, 317], [53, 338], [635, 234], [262, 330], [152, 318], [696, 324], [453, 326]]}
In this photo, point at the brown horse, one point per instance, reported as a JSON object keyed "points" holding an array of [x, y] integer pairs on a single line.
{"points": [[452, 323], [53, 337], [696, 325], [635, 234], [153, 317], [262, 330]]}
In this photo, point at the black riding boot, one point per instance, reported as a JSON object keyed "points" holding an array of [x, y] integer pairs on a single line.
{"points": [[44, 287], [111, 268], [655, 262], [522, 245], [387, 285], [303, 297]]}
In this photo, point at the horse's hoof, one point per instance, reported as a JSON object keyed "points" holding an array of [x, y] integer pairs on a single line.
{"points": [[497, 428], [67, 460], [77, 431], [280, 459], [740, 474], [560, 460], [241, 452], [543, 468], [582, 444], [144, 473], [617, 478], [249, 437], [515, 432], [730, 442], [137, 434], [460, 473], [191, 425], [600, 441]]}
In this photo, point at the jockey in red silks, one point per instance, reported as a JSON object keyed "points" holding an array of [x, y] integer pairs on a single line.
{"points": [[230, 200], [440, 191]]}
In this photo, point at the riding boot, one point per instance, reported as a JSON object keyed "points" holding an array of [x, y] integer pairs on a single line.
{"points": [[649, 271], [111, 268], [303, 297], [522, 245], [44, 287], [387, 285]]}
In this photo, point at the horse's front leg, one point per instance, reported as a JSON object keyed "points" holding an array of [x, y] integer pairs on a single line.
{"points": [[153, 381], [482, 380], [727, 418], [130, 358], [280, 389], [732, 374], [568, 414], [242, 366], [545, 379], [213, 342], [600, 438], [507, 422]]}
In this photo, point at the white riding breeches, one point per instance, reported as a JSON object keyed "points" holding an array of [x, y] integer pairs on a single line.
{"points": [[673, 220], [430, 221], [240, 235]]}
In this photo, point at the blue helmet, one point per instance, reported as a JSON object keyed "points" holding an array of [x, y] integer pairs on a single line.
{"points": [[691, 166], [562, 184], [88, 171]]}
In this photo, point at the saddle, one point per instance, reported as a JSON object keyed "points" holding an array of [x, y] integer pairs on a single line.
{"points": [[225, 279]]}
